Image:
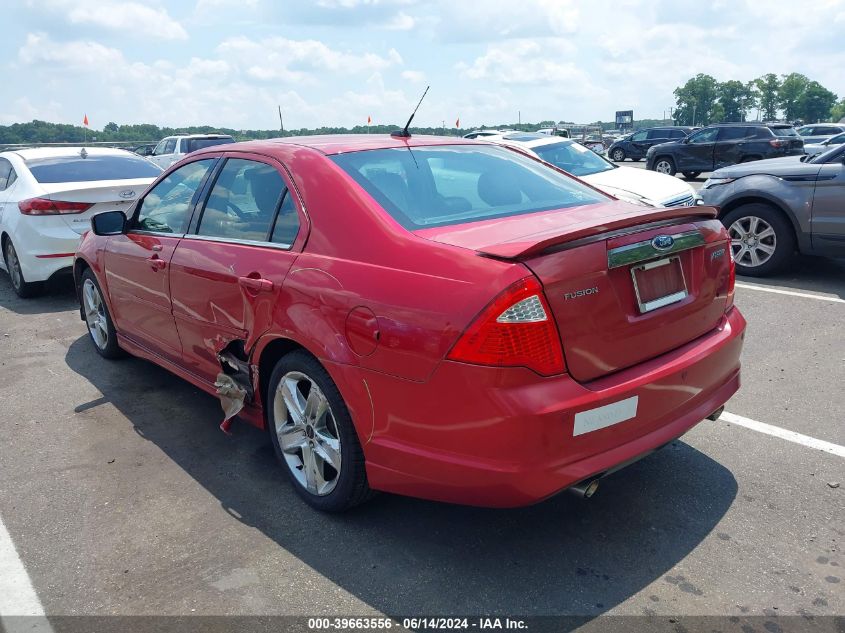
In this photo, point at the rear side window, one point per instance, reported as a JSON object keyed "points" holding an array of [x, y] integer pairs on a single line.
{"points": [[193, 144], [733, 133], [167, 208], [5, 173], [287, 222], [243, 201], [676, 134], [78, 169], [783, 131], [437, 186]]}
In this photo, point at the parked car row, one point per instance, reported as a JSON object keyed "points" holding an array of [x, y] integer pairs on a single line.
{"points": [[438, 297]]}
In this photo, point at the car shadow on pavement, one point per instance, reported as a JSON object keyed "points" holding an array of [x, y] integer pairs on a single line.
{"points": [[58, 296], [808, 274], [402, 556]]}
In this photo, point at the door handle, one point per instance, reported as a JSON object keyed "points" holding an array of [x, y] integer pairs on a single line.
{"points": [[156, 263], [256, 284]]}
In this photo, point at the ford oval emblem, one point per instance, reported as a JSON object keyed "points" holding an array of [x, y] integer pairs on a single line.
{"points": [[663, 242], [128, 193]]}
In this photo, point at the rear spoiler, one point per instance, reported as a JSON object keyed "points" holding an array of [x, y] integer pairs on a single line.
{"points": [[585, 228]]}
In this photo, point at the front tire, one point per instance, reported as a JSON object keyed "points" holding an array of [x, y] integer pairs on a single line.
{"points": [[23, 288], [313, 435], [97, 318], [691, 175], [618, 155], [665, 165], [762, 239]]}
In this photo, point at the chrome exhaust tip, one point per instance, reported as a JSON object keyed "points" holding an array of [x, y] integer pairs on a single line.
{"points": [[715, 415], [585, 489]]}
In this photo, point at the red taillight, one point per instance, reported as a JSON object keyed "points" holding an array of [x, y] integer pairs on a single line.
{"points": [[515, 330], [43, 206], [729, 284], [778, 143]]}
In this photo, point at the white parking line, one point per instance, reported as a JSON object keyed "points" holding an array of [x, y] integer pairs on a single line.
{"points": [[791, 293], [17, 595], [790, 436]]}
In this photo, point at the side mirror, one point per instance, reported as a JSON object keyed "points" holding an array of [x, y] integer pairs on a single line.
{"points": [[109, 223]]}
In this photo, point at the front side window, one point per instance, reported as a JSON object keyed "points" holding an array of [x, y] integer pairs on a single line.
{"points": [[167, 208], [436, 186], [836, 140], [243, 201], [639, 136], [704, 136], [574, 158], [654, 135], [676, 134], [159, 149], [170, 146]]}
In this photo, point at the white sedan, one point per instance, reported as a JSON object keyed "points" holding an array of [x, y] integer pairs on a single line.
{"points": [[626, 183], [47, 198]]}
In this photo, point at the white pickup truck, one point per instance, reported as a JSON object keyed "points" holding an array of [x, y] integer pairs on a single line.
{"points": [[173, 148]]}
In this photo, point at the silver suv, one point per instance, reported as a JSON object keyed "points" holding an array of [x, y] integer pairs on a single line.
{"points": [[772, 208]]}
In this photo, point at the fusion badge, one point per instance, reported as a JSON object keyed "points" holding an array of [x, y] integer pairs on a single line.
{"points": [[581, 293]]}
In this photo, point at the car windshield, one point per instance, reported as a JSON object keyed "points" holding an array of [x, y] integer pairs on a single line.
{"points": [[573, 157], [437, 186], [193, 144], [834, 152], [784, 131], [78, 169]]}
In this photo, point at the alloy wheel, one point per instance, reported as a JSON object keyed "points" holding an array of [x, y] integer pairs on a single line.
{"points": [[13, 265], [618, 155], [95, 314], [307, 433], [753, 241], [663, 167]]}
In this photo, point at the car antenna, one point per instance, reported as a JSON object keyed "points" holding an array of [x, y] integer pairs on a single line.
{"points": [[404, 133]]}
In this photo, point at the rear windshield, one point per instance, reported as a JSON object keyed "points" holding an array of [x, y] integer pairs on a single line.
{"points": [[78, 169], [193, 144], [784, 131], [437, 186]]}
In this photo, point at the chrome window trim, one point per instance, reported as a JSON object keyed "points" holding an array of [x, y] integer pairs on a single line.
{"points": [[642, 251], [232, 240]]}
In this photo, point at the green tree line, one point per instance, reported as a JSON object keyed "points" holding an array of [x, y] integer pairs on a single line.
{"points": [[703, 100]]}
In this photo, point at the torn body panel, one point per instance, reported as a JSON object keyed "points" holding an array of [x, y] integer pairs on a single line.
{"points": [[234, 383]]}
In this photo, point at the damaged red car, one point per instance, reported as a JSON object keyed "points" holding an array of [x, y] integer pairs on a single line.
{"points": [[432, 317]]}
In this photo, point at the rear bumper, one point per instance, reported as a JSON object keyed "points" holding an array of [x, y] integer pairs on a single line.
{"points": [[505, 437], [44, 246]]}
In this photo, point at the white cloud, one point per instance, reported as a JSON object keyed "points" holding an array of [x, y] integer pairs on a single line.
{"points": [[39, 49], [279, 58], [400, 22], [130, 18], [415, 76], [525, 62]]}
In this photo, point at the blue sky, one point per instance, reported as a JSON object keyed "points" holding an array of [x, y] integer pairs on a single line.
{"points": [[229, 63]]}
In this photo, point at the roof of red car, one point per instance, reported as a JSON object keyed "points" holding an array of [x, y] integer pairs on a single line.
{"points": [[340, 143]]}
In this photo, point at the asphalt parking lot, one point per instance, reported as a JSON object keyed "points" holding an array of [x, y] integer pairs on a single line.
{"points": [[122, 497]]}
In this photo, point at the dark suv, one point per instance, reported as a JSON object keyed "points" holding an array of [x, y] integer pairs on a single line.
{"points": [[634, 146], [724, 144]]}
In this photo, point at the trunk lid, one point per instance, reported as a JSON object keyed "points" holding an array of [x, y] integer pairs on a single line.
{"points": [[105, 195], [585, 259]]}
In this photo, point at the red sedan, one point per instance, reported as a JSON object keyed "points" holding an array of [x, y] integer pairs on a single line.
{"points": [[433, 317]]}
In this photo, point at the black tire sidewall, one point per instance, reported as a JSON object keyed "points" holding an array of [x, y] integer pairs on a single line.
{"points": [[351, 487], [784, 237], [26, 289], [112, 349]]}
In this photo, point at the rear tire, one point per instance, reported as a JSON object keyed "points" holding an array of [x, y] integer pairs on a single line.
{"points": [[313, 435], [23, 288], [665, 165], [97, 318], [618, 155], [636, 160], [691, 175], [762, 239]]}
